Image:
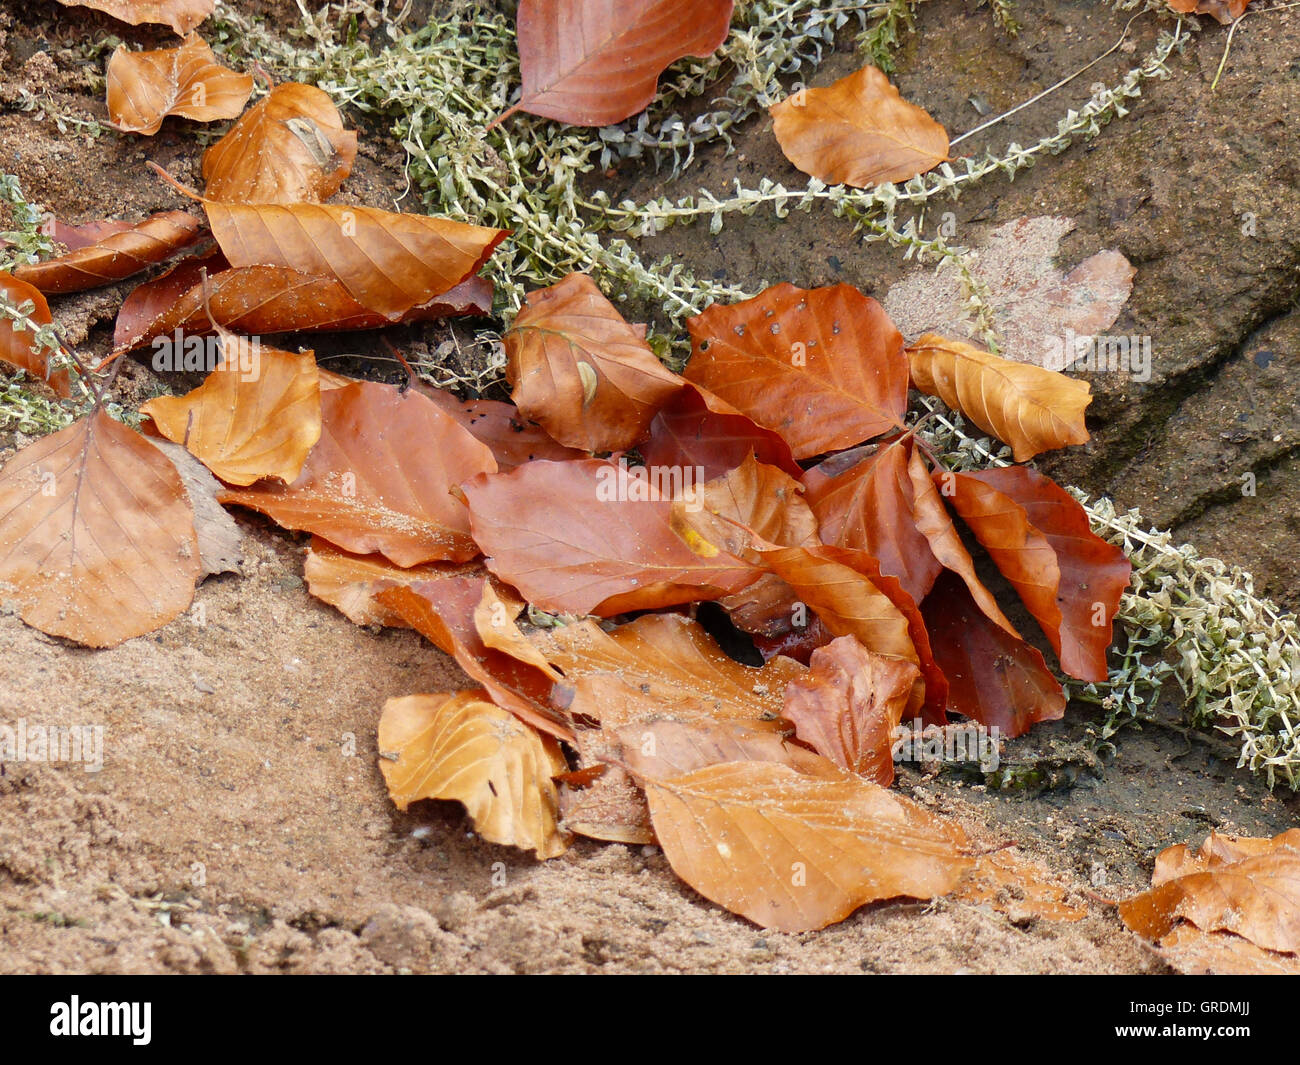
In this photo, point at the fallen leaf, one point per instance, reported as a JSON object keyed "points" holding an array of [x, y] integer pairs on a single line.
{"points": [[219, 538], [848, 706], [1197, 953], [181, 15], [822, 367], [462, 747], [118, 255], [494, 620], [858, 131], [16, 348], [1017, 886], [580, 371], [258, 414], [1256, 896], [88, 233], [380, 478], [593, 63], [146, 87], [389, 263], [289, 147], [1223, 11], [512, 438], [993, 677], [591, 537], [1032, 409], [97, 533]]}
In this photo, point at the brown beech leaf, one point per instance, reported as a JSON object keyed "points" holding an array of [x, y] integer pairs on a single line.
{"points": [[494, 620], [442, 611], [116, 256], [823, 367], [668, 746], [752, 500], [932, 521], [1251, 889], [849, 704], [1017, 886], [88, 233], [16, 348], [380, 478], [595, 63], [513, 439], [97, 533], [870, 506], [1093, 573], [462, 747], [1223, 11], [1032, 409], [592, 537], [795, 852], [858, 131], [289, 147], [255, 300], [389, 263], [146, 87], [696, 428], [181, 15], [580, 371], [993, 677], [257, 415], [1197, 953], [350, 582], [219, 538]]}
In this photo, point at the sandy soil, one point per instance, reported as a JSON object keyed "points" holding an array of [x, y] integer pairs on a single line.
{"points": [[239, 822]]}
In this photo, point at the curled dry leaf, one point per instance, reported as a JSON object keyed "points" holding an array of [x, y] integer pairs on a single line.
{"points": [[350, 582], [462, 747], [849, 704], [86, 234], [795, 852], [19, 348], [858, 131], [289, 147], [592, 537], [594, 63], [579, 370], [387, 262], [97, 533], [118, 254], [1032, 409], [258, 414], [181, 15], [146, 87], [255, 300], [994, 678], [1250, 887], [380, 478], [822, 367]]}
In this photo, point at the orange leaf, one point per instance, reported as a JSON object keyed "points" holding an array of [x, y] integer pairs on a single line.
{"points": [[257, 415], [823, 367], [97, 533], [849, 705], [1018, 887], [513, 439], [380, 478], [181, 15], [592, 63], [462, 747], [579, 370], [858, 131], [18, 349], [1223, 11], [289, 147], [146, 87], [1030, 408], [591, 537], [119, 254]]}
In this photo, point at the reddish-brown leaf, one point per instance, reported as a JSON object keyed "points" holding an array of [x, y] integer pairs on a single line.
{"points": [[86, 234], [696, 428], [289, 147], [1093, 573], [594, 62], [858, 131], [16, 348], [146, 87], [513, 439], [1222, 11], [97, 539], [993, 677], [380, 479], [181, 15], [592, 537], [823, 367], [848, 706], [581, 372], [119, 254]]}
